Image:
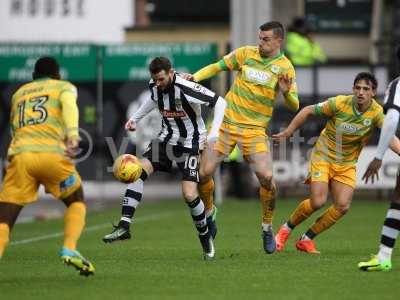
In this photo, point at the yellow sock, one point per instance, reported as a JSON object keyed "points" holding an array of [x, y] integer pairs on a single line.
{"points": [[301, 213], [267, 198], [74, 221], [4, 237], [206, 192], [328, 218]]}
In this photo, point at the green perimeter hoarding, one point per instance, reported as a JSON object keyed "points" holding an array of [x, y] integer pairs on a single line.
{"points": [[130, 61], [78, 61]]}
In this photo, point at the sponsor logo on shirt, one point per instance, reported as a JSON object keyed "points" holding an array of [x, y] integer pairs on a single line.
{"points": [[257, 76], [173, 114], [348, 128]]}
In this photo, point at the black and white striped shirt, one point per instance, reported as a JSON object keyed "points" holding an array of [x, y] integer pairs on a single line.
{"points": [[180, 108], [392, 95]]}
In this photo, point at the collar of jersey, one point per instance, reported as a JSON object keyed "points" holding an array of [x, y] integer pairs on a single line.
{"points": [[271, 59], [42, 79]]}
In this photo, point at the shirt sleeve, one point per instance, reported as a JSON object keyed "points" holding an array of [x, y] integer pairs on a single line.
{"points": [[234, 60], [326, 108], [209, 71], [388, 131], [144, 109], [379, 119], [196, 93], [291, 97], [70, 112], [392, 96]]}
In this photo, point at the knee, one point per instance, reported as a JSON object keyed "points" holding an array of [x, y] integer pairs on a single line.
{"points": [[342, 208], [266, 180], [190, 194], [317, 202], [205, 174]]}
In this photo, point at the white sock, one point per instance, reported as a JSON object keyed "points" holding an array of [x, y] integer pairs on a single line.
{"points": [[266, 227], [287, 226], [385, 253]]}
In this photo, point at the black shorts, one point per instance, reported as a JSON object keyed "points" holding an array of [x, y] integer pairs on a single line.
{"points": [[161, 155]]}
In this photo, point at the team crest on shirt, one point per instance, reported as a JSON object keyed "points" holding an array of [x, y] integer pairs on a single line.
{"points": [[317, 174], [275, 69], [178, 104], [367, 122]]}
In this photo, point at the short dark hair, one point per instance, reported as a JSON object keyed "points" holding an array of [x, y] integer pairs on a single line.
{"points": [[158, 64], [275, 26], [46, 66], [368, 77]]}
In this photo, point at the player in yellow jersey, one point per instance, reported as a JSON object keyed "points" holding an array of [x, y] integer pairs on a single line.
{"points": [[332, 168], [44, 126], [263, 71]]}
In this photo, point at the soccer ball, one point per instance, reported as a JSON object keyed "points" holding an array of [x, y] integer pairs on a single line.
{"points": [[127, 168]]}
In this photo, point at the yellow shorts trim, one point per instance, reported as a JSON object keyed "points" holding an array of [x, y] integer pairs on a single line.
{"points": [[28, 170], [323, 171], [249, 141]]}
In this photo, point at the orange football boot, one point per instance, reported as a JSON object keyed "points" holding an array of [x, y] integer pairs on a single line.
{"points": [[307, 246], [281, 238]]}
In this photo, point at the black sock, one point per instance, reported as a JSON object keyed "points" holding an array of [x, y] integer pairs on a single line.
{"points": [[198, 215], [132, 198]]}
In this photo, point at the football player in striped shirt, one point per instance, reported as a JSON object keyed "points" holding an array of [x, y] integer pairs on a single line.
{"points": [[263, 72], [45, 136], [182, 137], [332, 168], [391, 227]]}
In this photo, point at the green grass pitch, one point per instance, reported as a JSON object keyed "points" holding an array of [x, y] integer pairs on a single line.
{"points": [[163, 259]]}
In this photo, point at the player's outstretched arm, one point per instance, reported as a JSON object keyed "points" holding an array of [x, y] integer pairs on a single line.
{"points": [[388, 131], [142, 111], [298, 120], [387, 138], [219, 111], [208, 72]]}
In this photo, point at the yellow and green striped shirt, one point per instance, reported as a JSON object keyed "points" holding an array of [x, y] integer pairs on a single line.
{"points": [[347, 130], [36, 120], [251, 98]]}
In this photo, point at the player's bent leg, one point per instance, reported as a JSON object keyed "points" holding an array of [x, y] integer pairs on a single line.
{"points": [[131, 200], [8, 215], [74, 222], [342, 195], [319, 195], [197, 212]]}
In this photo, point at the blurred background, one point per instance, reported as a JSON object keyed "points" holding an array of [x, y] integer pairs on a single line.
{"points": [[104, 48]]}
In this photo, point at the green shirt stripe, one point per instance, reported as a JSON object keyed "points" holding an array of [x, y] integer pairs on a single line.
{"points": [[247, 112], [251, 96]]}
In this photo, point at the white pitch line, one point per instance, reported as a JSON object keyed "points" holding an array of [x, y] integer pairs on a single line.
{"points": [[87, 229]]}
